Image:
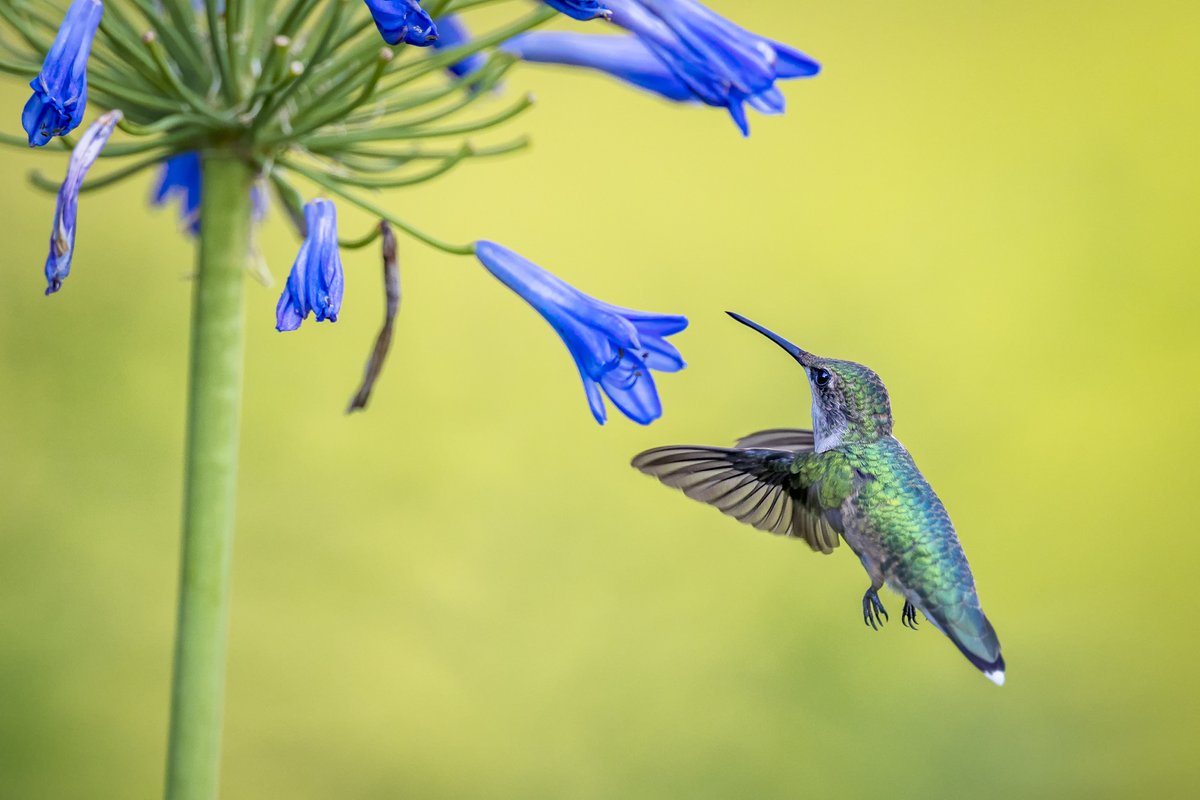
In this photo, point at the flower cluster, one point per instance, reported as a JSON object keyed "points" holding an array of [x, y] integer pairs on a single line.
{"points": [[348, 97]]}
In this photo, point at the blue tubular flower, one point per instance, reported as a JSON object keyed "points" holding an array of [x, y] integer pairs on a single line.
{"points": [[722, 64], [452, 33], [60, 89], [580, 9], [624, 57], [66, 209], [316, 280], [614, 348], [180, 177], [403, 21]]}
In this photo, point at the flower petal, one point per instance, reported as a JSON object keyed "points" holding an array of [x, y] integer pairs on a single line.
{"points": [[623, 57], [791, 63], [594, 397], [579, 9], [650, 323], [403, 21], [316, 282], [66, 209], [60, 89], [632, 390], [662, 355]]}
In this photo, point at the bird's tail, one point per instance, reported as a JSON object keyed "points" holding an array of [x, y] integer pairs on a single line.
{"points": [[975, 638]]}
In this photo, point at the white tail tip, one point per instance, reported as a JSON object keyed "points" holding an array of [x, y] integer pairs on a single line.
{"points": [[996, 677]]}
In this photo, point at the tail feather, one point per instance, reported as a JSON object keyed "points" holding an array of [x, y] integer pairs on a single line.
{"points": [[992, 669], [975, 638]]}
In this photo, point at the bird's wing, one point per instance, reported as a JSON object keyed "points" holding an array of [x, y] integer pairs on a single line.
{"points": [[792, 440], [773, 490]]}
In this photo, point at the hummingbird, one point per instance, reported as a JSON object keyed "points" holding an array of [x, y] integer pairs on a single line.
{"points": [[846, 479]]}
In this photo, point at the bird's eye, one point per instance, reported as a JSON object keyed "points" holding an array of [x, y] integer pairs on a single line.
{"points": [[822, 376]]}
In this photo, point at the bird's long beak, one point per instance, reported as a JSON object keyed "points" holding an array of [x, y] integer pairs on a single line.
{"points": [[805, 358]]}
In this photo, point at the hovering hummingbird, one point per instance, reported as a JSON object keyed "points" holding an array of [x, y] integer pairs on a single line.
{"points": [[848, 476]]}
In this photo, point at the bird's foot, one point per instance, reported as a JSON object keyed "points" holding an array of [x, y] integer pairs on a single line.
{"points": [[908, 617], [874, 614]]}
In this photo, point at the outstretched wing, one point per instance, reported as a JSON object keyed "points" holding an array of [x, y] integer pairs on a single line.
{"points": [[760, 487], [792, 440]]}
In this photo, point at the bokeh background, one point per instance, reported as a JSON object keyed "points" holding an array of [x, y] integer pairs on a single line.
{"points": [[466, 591]]}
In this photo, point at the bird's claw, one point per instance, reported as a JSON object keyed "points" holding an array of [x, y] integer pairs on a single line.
{"points": [[874, 614], [908, 617]]}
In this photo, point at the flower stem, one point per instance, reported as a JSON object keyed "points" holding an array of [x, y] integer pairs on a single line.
{"points": [[214, 405]]}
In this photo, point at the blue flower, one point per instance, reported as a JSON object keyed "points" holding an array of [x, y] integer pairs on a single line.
{"points": [[453, 33], [624, 57], [614, 348], [722, 64], [180, 178], [316, 280], [403, 20], [66, 209], [579, 9], [60, 89]]}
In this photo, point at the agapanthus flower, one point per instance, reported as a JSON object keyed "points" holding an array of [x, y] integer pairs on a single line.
{"points": [[614, 348], [579, 9], [60, 89], [316, 281], [180, 178], [723, 64], [62, 236], [403, 21], [624, 57], [453, 33]]}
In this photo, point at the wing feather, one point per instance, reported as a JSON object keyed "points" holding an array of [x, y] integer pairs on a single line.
{"points": [[791, 440], [766, 487], [748, 485]]}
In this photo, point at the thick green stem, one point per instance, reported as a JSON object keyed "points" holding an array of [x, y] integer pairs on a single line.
{"points": [[214, 405]]}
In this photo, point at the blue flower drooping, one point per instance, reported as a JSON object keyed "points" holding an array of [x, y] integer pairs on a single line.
{"points": [[316, 281], [623, 57], [580, 9], [60, 89], [403, 21], [453, 33], [722, 64], [614, 348], [66, 209]]}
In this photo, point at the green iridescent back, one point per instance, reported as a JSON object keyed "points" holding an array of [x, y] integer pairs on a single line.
{"points": [[876, 491]]}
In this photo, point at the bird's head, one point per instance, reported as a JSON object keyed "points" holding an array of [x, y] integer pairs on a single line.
{"points": [[849, 402]]}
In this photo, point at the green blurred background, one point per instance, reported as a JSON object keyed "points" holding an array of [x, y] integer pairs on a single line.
{"points": [[466, 591]]}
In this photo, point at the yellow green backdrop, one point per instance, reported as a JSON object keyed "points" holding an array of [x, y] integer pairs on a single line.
{"points": [[466, 591]]}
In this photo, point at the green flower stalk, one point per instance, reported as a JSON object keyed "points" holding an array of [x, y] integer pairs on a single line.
{"points": [[214, 408], [317, 102]]}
